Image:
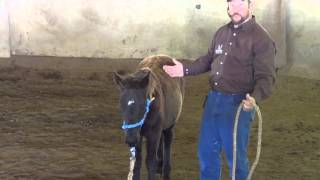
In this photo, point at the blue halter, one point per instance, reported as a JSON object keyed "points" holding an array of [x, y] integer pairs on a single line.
{"points": [[140, 123]]}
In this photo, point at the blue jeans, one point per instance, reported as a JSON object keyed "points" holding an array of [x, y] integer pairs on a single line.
{"points": [[216, 133]]}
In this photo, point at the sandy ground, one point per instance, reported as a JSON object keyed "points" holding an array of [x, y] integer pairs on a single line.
{"points": [[59, 125]]}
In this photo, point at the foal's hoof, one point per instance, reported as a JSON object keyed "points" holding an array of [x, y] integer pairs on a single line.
{"points": [[166, 178], [159, 170]]}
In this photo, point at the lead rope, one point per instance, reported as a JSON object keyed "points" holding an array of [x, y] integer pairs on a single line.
{"points": [[132, 161], [235, 131]]}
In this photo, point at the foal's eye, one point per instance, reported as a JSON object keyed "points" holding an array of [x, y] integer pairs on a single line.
{"points": [[130, 102]]}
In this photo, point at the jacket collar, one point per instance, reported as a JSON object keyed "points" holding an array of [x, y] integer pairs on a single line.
{"points": [[244, 26]]}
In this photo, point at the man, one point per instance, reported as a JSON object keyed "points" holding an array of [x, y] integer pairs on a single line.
{"points": [[241, 64]]}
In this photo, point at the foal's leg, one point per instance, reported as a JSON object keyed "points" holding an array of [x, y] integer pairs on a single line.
{"points": [[168, 135], [153, 139], [160, 156], [137, 164]]}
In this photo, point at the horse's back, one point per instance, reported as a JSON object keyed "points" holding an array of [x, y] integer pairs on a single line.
{"points": [[155, 63], [172, 88]]}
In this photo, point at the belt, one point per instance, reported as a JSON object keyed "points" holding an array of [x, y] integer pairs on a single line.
{"points": [[227, 93]]}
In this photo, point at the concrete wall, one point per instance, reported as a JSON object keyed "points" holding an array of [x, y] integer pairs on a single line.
{"points": [[115, 29], [303, 40], [272, 15], [135, 29], [121, 29], [4, 30]]}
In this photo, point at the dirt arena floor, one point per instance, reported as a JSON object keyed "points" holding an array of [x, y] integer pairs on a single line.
{"points": [[59, 119]]}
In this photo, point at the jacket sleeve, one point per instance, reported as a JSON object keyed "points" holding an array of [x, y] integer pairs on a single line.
{"points": [[202, 64], [264, 69]]}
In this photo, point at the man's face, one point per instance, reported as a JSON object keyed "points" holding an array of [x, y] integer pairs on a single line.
{"points": [[239, 10]]}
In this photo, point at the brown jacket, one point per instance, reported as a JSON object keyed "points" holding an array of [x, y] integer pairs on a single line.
{"points": [[240, 60]]}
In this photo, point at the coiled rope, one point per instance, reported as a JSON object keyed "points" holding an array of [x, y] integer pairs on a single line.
{"points": [[235, 131]]}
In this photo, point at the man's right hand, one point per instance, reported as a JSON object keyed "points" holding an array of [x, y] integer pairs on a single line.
{"points": [[175, 70]]}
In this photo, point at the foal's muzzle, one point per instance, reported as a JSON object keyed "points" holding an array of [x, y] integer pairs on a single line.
{"points": [[132, 137]]}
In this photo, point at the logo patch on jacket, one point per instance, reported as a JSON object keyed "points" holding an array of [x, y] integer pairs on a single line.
{"points": [[219, 49]]}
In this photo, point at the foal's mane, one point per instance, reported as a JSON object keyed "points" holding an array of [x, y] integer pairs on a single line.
{"points": [[157, 77]]}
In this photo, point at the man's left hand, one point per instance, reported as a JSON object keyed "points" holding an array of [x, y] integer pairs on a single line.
{"points": [[248, 103]]}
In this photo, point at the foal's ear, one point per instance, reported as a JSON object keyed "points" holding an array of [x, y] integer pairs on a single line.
{"points": [[118, 77], [142, 77]]}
